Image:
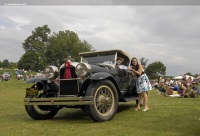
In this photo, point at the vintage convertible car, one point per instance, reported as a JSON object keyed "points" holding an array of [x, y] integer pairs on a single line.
{"points": [[96, 86], [6, 76]]}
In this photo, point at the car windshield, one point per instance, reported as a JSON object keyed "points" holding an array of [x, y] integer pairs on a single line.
{"points": [[105, 59]]}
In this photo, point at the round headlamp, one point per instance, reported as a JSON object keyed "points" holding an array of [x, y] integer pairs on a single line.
{"points": [[51, 72], [83, 70]]}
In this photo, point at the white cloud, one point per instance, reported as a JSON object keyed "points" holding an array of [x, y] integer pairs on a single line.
{"points": [[18, 21], [2, 27]]}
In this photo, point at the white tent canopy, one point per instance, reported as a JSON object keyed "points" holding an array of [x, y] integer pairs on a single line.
{"points": [[177, 78], [180, 77]]}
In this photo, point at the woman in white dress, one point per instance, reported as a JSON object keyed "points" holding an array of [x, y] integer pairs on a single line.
{"points": [[142, 83]]}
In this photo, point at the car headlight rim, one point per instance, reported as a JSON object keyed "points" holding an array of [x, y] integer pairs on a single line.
{"points": [[83, 70], [51, 72]]}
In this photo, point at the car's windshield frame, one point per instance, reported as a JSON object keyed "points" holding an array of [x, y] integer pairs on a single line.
{"points": [[102, 59]]}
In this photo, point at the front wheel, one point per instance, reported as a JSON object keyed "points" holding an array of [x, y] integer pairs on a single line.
{"points": [[41, 112], [105, 100]]}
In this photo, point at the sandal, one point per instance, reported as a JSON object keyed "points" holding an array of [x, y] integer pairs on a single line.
{"points": [[145, 109], [137, 109]]}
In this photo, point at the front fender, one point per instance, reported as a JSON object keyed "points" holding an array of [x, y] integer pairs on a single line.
{"points": [[104, 75], [36, 79]]}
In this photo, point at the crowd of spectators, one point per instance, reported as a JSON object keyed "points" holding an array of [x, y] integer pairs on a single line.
{"points": [[181, 88]]}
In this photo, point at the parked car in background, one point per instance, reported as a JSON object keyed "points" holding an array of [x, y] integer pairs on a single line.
{"points": [[19, 75], [96, 85], [6, 76]]}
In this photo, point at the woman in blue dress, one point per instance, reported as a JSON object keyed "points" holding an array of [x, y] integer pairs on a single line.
{"points": [[142, 83]]}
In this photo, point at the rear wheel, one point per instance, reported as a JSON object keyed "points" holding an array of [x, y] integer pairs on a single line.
{"points": [[105, 101], [41, 112]]}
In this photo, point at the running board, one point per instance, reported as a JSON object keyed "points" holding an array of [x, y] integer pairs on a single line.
{"points": [[131, 98]]}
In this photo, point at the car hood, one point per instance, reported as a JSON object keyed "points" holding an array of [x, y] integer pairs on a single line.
{"points": [[100, 68]]}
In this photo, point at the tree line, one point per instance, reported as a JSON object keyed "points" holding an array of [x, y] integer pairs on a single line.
{"points": [[6, 64]]}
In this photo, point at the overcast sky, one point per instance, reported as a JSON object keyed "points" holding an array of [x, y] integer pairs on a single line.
{"points": [[170, 34]]}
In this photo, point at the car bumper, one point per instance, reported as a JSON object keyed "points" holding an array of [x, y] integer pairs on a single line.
{"points": [[59, 101], [6, 78]]}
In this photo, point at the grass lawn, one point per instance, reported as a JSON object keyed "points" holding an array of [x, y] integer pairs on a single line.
{"points": [[167, 116]]}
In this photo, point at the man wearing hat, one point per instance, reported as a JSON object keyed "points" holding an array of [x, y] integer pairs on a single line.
{"points": [[119, 63]]}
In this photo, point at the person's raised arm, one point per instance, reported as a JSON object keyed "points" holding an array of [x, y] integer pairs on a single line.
{"points": [[136, 72], [139, 71]]}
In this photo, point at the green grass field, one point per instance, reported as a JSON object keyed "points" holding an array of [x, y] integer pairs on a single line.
{"points": [[167, 116]]}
